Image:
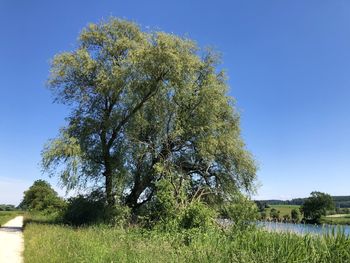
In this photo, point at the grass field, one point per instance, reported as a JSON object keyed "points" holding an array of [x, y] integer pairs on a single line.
{"points": [[58, 243], [284, 209], [336, 219], [7, 215]]}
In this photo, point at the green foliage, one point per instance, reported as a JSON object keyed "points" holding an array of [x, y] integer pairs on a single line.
{"points": [[4, 207], [165, 205], [82, 210], [146, 106], [284, 209], [274, 213], [295, 215], [241, 210], [341, 220], [171, 213], [41, 197], [93, 209], [197, 215], [261, 205], [7, 215], [56, 243], [316, 206]]}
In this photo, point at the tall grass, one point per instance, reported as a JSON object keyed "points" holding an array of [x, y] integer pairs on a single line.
{"points": [[7, 215], [59, 243]]}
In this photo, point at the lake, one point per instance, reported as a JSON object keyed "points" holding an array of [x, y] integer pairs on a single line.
{"points": [[304, 228]]}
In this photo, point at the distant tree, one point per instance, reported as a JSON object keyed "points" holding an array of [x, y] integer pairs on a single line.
{"points": [[316, 206], [286, 217], [261, 205], [41, 197], [4, 207], [274, 213], [295, 215]]}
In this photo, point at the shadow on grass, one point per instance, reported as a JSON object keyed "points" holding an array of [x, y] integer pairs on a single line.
{"points": [[41, 220]]}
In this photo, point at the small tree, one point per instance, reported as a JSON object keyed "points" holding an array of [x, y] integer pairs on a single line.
{"points": [[316, 206], [295, 214], [274, 213], [41, 197], [286, 217], [263, 215], [241, 210], [261, 205]]}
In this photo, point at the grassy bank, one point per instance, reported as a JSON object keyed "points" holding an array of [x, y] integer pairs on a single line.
{"points": [[7, 215], [284, 209], [58, 243], [333, 220]]}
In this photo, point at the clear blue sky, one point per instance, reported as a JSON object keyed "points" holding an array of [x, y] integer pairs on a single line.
{"points": [[288, 64]]}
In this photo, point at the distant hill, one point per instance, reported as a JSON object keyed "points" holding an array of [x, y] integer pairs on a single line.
{"points": [[340, 201]]}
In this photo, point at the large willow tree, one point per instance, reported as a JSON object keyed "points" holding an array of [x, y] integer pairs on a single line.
{"points": [[145, 106]]}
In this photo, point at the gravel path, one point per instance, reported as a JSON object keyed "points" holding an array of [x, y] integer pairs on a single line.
{"points": [[11, 241]]}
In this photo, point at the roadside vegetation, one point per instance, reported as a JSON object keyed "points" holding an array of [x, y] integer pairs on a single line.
{"points": [[8, 215], [103, 243]]}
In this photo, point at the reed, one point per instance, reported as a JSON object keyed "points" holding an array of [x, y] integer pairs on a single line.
{"points": [[59, 243]]}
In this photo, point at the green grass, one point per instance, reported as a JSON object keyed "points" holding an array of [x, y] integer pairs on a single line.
{"points": [[7, 215], [284, 209], [58, 243], [344, 220]]}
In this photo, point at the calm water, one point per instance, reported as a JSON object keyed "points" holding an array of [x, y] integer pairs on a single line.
{"points": [[303, 228]]}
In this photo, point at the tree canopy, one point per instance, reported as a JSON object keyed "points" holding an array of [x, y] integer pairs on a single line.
{"points": [[317, 205], [146, 106], [41, 197]]}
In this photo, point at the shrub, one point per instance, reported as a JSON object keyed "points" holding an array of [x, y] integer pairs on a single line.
{"points": [[263, 215], [197, 215], [274, 213], [296, 216], [241, 210], [82, 210], [93, 208], [165, 202], [118, 215]]}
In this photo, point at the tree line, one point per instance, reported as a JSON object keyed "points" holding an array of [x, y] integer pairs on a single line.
{"points": [[339, 201]]}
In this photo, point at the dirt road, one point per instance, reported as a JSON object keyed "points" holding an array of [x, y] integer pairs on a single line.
{"points": [[11, 241]]}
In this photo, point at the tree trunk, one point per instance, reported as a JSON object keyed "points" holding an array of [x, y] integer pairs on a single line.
{"points": [[109, 188]]}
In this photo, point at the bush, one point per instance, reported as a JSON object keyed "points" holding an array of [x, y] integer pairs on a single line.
{"points": [[274, 213], [286, 218], [118, 215], [82, 210], [165, 203], [92, 209], [263, 215], [241, 210], [197, 215], [296, 216], [162, 210]]}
